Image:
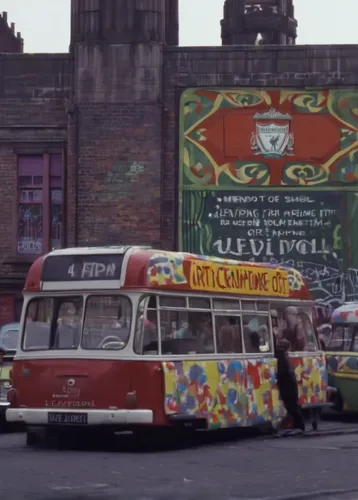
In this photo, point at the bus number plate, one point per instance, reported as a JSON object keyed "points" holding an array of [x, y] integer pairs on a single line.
{"points": [[67, 418]]}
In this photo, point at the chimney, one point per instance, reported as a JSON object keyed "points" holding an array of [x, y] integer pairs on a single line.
{"points": [[4, 16], [13, 27]]}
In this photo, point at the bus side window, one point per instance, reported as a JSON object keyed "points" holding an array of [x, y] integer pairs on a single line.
{"points": [[308, 331], [354, 333], [256, 333], [291, 326], [340, 339], [186, 332], [228, 334], [146, 330]]}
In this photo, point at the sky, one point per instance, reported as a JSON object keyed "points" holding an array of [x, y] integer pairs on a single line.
{"points": [[45, 25]]}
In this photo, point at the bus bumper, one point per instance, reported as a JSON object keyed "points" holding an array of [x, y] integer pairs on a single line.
{"points": [[4, 405], [59, 417]]}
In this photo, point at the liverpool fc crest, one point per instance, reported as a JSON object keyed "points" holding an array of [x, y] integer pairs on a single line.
{"points": [[273, 137]]}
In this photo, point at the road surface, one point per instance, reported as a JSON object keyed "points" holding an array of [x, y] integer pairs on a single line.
{"points": [[216, 466]]}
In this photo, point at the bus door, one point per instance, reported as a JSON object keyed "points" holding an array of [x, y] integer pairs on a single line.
{"points": [[295, 325], [263, 402]]}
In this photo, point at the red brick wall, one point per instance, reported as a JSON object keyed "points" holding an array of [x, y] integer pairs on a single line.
{"points": [[7, 309], [118, 143], [119, 178], [33, 120]]}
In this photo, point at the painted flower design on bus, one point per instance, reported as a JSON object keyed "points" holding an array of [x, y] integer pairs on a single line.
{"points": [[346, 364], [166, 268], [238, 392], [295, 278]]}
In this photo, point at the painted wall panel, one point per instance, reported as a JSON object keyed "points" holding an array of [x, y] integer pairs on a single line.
{"points": [[270, 175]]}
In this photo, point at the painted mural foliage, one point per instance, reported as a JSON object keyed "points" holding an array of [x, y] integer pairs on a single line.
{"points": [[270, 176]]}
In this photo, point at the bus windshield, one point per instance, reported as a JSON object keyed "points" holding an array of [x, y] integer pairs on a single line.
{"points": [[54, 323]]}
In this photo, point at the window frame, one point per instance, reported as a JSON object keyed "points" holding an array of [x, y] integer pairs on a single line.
{"points": [[52, 323], [108, 293], [302, 307], [260, 314], [350, 341], [222, 311], [45, 203]]}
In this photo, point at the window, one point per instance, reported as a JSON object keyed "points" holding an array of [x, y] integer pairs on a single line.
{"points": [[186, 332], [172, 302], [53, 323], [146, 337], [256, 332], [40, 203], [107, 322], [228, 334], [199, 303], [226, 305], [340, 339], [182, 331], [294, 324]]}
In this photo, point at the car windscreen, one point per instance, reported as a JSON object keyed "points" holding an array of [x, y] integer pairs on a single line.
{"points": [[9, 338]]}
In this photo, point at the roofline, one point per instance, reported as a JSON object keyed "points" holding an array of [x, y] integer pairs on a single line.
{"points": [[111, 250]]}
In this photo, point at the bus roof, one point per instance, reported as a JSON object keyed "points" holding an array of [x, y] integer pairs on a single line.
{"points": [[347, 313], [139, 267]]}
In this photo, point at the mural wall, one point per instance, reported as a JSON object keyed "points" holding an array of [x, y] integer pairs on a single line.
{"points": [[272, 175]]}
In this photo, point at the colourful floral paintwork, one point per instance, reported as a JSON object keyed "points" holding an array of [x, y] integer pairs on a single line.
{"points": [[312, 378], [347, 313], [342, 364], [238, 392], [343, 375], [295, 278], [166, 268]]}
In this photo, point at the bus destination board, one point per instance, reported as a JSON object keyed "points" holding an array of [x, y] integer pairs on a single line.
{"points": [[82, 267]]}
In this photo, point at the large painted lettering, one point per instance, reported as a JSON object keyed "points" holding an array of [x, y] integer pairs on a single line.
{"points": [[249, 280]]}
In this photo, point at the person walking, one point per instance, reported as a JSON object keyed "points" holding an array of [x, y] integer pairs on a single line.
{"points": [[287, 383]]}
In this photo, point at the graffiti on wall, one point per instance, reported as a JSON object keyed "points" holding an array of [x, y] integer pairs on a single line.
{"points": [[121, 176], [268, 176]]}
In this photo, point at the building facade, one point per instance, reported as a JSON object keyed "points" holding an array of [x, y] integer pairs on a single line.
{"points": [[246, 150]]}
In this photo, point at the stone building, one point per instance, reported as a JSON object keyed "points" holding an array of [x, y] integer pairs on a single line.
{"points": [[112, 142]]}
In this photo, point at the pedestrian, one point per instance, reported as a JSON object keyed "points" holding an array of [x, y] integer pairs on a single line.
{"points": [[287, 383]]}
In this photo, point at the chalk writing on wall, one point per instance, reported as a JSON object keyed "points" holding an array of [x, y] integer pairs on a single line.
{"points": [[120, 178], [299, 230]]}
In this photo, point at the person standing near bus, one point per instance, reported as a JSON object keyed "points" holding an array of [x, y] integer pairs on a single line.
{"points": [[286, 378], [294, 331]]}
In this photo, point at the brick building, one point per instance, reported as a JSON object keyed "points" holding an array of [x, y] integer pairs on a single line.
{"points": [[92, 144]]}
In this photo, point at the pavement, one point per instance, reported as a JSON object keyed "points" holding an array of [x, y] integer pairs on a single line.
{"points": [[226, 465]]}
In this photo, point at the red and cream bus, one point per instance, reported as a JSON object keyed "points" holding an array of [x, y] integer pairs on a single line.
{"points": [[122, 338]]}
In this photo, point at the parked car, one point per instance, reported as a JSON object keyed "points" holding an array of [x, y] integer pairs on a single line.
{"points": [[9, 335]]}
